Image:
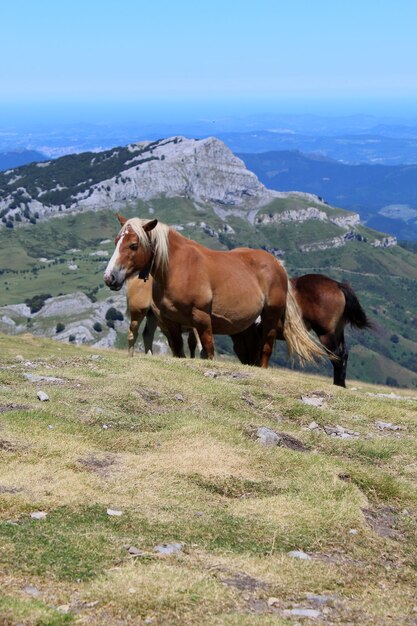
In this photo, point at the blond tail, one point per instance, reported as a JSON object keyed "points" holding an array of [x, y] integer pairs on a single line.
{"points": [[299, 341]]}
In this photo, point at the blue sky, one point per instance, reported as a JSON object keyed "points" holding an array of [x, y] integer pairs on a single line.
{"points": [[162, 51]]}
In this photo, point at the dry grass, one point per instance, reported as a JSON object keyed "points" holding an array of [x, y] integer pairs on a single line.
{"points": [[174, 451]]}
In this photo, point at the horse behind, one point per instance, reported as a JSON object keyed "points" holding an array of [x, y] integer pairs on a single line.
{"points": [[327, 306], [216, 292], [139, 305]]}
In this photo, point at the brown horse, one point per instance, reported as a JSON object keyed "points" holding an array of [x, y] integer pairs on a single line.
{"points": [[326, 306], [139, 304], [213, 291]]}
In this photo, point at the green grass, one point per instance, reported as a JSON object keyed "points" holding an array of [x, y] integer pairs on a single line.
{"points": [[190, 471]]}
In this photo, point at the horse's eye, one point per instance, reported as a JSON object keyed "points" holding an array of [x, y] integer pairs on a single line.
{"points": [[133, 246]]}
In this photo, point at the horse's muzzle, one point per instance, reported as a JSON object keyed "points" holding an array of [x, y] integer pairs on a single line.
{"points": [[112, 282]]}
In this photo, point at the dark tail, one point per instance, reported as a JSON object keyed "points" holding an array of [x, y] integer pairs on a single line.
{"points": [[354, 313]]}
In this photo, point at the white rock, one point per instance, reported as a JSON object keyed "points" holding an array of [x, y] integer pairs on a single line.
{"points": [[299, 554], [312, 613], [39, 515], [114, 512], [313, 401], [168, 548], [387, 426], [268, 437], [42, 396]]}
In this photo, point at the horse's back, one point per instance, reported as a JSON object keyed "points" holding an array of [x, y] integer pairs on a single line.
{"points": [[320, 298]]}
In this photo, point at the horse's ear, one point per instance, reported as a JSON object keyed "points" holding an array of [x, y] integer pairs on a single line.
{"points": [[150, 225], [121, 219]]}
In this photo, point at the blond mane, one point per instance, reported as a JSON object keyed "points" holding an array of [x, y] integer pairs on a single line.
{"points": [[156, 239]]}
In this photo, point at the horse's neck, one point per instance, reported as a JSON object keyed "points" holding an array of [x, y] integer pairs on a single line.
{"points": [[175, 243]]}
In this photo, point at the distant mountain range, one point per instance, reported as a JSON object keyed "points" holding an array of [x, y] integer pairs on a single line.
{"points": [[17, 158], [367, 147], [384, 196], [208, 194]]}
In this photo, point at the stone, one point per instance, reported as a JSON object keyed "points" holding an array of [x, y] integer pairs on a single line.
{"points": [[179, 397], [42, 396], [320, 598], [19, 358], [114, 513], [135, 551], [168, 548], [33, 378], [30, 590], [299, 554], [313, 401], [312, 613], [268, 437], [340, 431], [210, 374], [39, 515], [387, 426], [273, 601], [353, 531], [64, 609], [313, 426]]}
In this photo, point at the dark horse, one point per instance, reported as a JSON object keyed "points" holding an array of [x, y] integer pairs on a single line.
{"points": [[326, 306], [214, 292]]}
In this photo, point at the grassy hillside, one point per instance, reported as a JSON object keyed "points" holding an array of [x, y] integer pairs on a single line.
{"points": [[384, 278], [175, 452]]}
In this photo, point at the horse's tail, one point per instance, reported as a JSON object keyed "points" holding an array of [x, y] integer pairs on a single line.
{"points": [[299, 341], [353, 313]]}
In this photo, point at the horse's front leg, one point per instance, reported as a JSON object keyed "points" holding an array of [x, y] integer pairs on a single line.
{"points": [[202, 323], [132, 334]]}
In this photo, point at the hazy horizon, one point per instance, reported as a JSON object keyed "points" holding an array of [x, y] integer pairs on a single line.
{"points": [[98, 62]]}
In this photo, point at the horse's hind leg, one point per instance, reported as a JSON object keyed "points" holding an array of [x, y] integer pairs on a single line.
{"points": [[192, 343], [132, 333], [271, 319], [202, 322], [337, 346], [173, 332], [341, 367], [149, 331]]}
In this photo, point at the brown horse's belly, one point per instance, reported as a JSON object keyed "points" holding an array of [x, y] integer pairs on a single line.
{"points": [[223, 326], [227, 320]]}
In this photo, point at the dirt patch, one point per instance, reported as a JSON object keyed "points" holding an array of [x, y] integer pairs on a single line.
{"points": [[235, 487], [239, 580], [4, 408], [7, 446], [383, 521], [244, 582], [97, 465], [149, 395], [7, 489], [288, 441]]}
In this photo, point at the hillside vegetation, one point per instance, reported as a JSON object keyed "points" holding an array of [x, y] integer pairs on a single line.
{"points": [[68, 255], [207, 193], [140, 494]]}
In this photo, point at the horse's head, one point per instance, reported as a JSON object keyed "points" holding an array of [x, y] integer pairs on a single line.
{"points": [[131, 254]]}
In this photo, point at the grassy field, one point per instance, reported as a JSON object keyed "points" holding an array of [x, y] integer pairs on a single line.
{"points": [[175, 452]]}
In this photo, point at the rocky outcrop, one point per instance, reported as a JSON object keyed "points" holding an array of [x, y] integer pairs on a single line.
{"points": [[203, 170], [293, 215], [385, 242]]}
